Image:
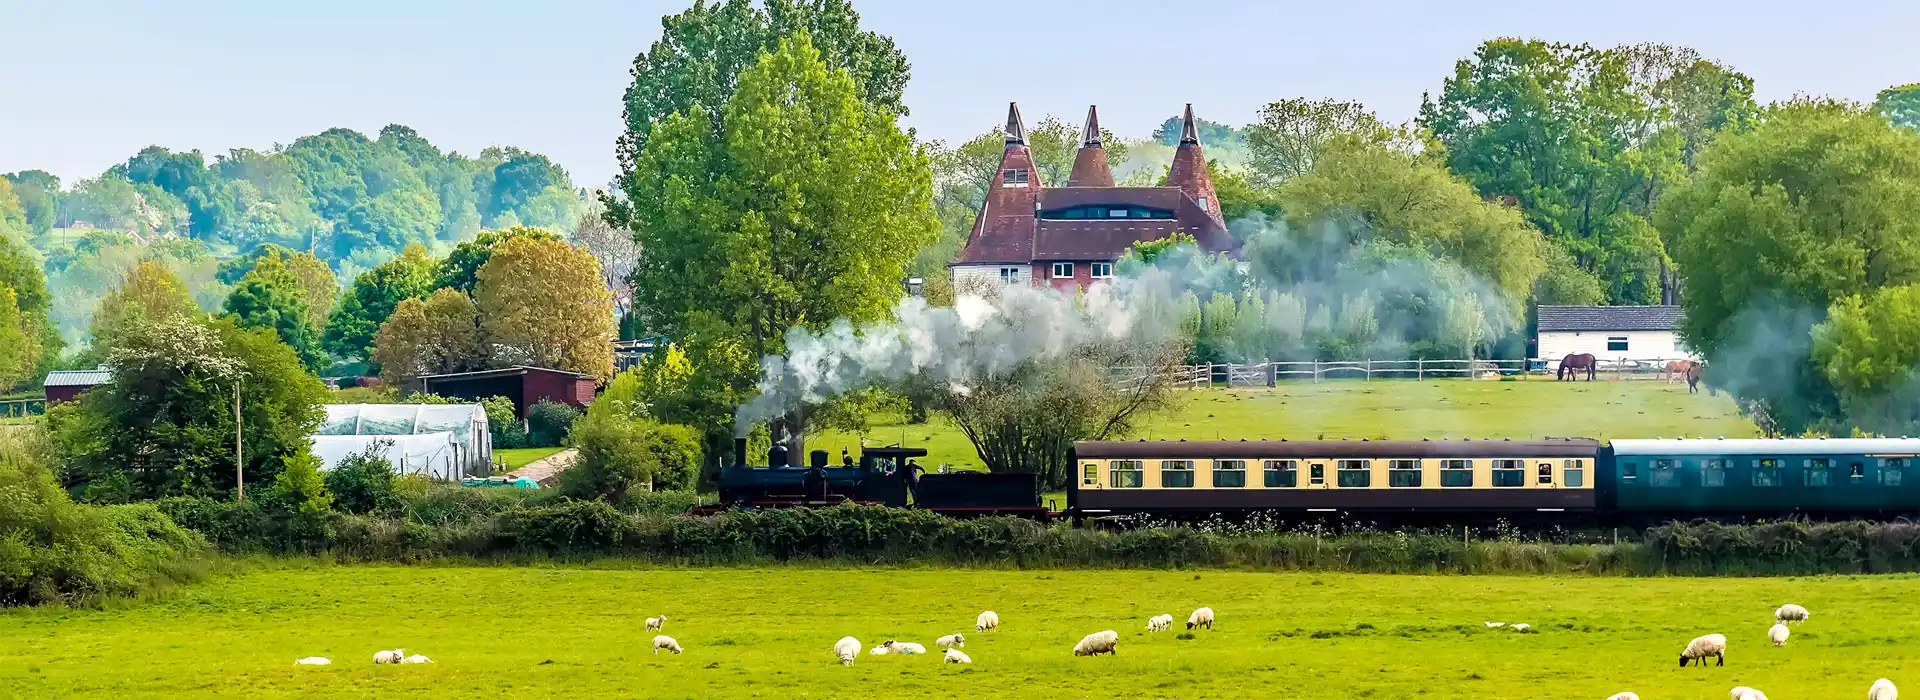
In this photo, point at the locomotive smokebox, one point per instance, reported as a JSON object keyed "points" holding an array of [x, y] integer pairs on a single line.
{"points": [[817, 458], [739, 452]]}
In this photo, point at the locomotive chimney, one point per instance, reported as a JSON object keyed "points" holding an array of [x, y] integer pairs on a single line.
{"points": [[740, 452], [777, 456], [817, 458]]}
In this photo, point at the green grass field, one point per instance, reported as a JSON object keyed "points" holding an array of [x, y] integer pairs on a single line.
{"points": [[524, 456], [1390, 409], [553, 632]]}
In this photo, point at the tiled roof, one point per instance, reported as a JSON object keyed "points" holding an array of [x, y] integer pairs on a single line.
{"points": [[84, 377], [1609, 318]]}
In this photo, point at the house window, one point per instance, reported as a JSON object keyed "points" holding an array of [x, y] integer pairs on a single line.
{"points": [[1819, 472], [1176, 474], [1102, 270], [1354, 473], [1229, 474], [1617, 343], [1126, 474], [1403, 473], [1575, 474], [1713, 474], [1456, 473], [1063, 271], [1116, 213], [1090, 474], [1766, 472], [1009, 275], [1508, 473], [1665, 474], [1014, 177], [1282, 473]]}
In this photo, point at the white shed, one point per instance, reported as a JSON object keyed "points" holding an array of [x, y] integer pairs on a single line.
{"points": [[1611, 333]]}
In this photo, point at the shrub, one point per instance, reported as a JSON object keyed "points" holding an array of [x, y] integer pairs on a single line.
{"points": [[364, 482], [549, 422], [299, 500], [621, 456]]}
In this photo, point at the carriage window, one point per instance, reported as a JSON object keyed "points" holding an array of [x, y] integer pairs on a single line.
{"points": [[1176, 474], [1890, 469], [1818, 472], [1856, 471], [1665, 474], [1403, 473], [1713, 473], [1229, 474], [1282, 473], [1766, 472], [1355, 473], [1509, 472], [1629, 471], [1456, 472], [1317, 474], [1546, 473], [1576, 475], [1090, 474], [1126, 474]]}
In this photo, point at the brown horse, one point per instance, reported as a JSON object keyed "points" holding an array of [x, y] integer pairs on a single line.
{"points": [[1693, 377], [1571, 365], [1676, 369]]}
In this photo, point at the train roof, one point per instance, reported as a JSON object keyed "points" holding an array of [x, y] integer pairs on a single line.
{"points": [[1751, 446], [1276, 449]]}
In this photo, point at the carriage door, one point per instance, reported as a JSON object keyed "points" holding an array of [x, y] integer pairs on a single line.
{"points": [[1317, 475], [1546, 475]]}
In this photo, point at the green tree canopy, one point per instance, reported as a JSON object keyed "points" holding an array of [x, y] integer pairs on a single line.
{"points": [[270, 298], [373, 297], [461, 268], [1901, 103]]}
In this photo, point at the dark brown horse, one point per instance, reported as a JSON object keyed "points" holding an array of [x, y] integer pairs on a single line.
{"points": [[1571, 365]]}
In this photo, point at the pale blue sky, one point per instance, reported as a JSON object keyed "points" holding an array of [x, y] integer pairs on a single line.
{"points": [[88, 82]]}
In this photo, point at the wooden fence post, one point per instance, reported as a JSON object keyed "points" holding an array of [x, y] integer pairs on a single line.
{"points": [[1419, 370], [1316, 370], [1273, 374]]}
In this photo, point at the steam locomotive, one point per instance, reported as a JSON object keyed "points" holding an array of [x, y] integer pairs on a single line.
{"points": [[887, 476]]}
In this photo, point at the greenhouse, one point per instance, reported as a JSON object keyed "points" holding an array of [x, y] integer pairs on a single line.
{"points": [[444, 441]]}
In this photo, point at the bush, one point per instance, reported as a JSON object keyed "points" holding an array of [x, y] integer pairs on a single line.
{"points": [[364, 482], [548, 423], [299, 500]]}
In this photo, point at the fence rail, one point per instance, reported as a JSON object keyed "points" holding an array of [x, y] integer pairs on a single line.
{"points": [[21, 408], [1269, 373]]}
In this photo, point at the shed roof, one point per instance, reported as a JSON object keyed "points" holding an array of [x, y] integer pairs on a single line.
{"points": [[82, 377], [1609, 318]]}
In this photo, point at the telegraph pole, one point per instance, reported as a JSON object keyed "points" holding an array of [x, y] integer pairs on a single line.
{"points": [[239, 458]]}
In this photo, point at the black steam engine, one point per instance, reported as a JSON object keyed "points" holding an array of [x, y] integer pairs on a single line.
{"points": [[886, 476]]}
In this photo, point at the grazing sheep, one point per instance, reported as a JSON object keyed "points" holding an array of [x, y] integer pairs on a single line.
{"points": [[1714, 645], [1159, 623], [846, 650], [950, 641], [390, 656], [1746, 693], [1496, 624], [988, 620], [1623, 696], [903, 647], [665, 642], [1790, 613], [1883, 690], [655, 624], [1778, 634], [1103, 642], [1520, 627], [955, 656], [1200, 618], [417, 659], [313, 661]]}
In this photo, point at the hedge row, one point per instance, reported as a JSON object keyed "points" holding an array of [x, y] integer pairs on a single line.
{"points": [[855, 535]]}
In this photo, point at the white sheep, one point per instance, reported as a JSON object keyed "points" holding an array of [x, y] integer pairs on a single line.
{"points": [[665, 642], [950, 641], [880, 650], [1200, 618], [1521, 627], [1623, 696], [903, 647], [1746, 693], [846, 650], [1790, 613], [1778, 634], [655, 624], [988, 620], [1883, 690], [1102, 642], [390, 656], [1160, 623], [417, 659], [314, 661], [1496, 624], [1714, 645], [955, 656]]}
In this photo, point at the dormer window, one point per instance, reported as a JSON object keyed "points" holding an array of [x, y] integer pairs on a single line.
{"points": [[1116, 213], [1203, 203], [1014, 177]]}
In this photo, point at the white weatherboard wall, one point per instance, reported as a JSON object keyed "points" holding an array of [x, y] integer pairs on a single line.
{"points": [[962, 274], [1641, 345]]}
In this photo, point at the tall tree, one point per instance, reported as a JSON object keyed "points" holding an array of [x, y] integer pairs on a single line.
{"points": [[461, 269], [373, 297], [542, 303], [18, 349], [1287, 139], [808, 212], [39, 193], [270, 298], [149, 293], [20, 272], [436, 336], [317, 282], [617, 252]]}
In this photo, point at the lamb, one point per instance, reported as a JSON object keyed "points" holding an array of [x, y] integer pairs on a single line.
{"points": [[655, 624], [955, 656], [1623, 696], [950, 641], [903, 647], [1746, 693], [1159, 623], [846, 650], [1790, 613], [665, 642], [1883, 690], [988, 620], [390, 656], [313, 661], [1103, 642], [1778, 634], [1714, 645], [1200, 618], [416, 659]]}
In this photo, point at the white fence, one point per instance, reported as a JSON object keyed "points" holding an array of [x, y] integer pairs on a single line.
{"points": [[1266, 374]]}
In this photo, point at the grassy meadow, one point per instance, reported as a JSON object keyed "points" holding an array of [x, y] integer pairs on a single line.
{"points": [[767, 633], [1397, 409], [523, 456]]}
